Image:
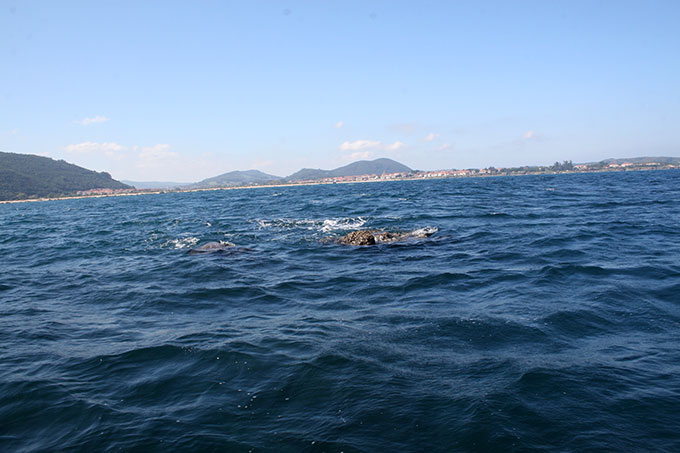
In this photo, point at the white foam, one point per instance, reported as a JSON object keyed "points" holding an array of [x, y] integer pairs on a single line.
{"points": [[424, 232], [329, 225], [284, 223], [326, 225], [182, 243]]}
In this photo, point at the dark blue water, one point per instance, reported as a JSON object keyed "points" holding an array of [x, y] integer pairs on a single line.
{"points": [[543, 314]]}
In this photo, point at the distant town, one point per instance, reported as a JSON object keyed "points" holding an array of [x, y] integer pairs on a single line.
{"points": [[564, 167], [30, 177], [611, 165]]}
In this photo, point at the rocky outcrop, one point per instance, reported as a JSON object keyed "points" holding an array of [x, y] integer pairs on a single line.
{"points": [[362, 237], [212, 247], [372, 237]]}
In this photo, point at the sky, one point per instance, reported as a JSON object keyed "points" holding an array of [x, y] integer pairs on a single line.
{"points": [[182, 91]]}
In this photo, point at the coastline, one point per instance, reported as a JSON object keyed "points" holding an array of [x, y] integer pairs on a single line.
{"points": [[318, 183]]}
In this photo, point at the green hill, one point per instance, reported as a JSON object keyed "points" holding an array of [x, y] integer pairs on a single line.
{"points": [[25, 176], [309, 174], [371, 167], [362, 167], [237, 178]]}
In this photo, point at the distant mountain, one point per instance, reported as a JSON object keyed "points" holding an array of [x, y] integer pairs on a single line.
{"points": [[371, 167], [362, 167], [309, 174], [237, 178], [156, 184], [644, 160], [27, 176]]}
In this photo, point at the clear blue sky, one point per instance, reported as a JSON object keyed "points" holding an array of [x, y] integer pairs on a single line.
{"points": [[186, 90]]}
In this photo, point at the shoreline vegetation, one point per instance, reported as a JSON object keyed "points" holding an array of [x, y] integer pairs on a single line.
{"points": [[564, 168]]}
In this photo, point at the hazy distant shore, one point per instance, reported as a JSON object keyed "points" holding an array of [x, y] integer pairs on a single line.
{"points": [[376, 179]]}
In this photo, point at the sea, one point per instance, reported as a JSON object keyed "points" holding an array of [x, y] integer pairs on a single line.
{"points": [[543, 313]]}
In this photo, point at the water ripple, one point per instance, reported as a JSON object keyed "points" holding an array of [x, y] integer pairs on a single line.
{"points": [[542, 314]]}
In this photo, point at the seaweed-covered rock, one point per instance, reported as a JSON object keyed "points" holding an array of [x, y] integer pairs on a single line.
{"points": [[372, 237], [361, 237]]}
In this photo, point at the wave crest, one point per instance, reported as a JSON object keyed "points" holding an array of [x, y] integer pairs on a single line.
{"points": [[324, 225], [182, 243]]}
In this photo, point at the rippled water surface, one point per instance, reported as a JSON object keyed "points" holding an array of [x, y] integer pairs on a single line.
{"points": [[544, 313]]}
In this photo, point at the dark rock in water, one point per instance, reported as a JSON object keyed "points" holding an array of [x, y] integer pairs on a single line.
{"points": [[363, 237], [372, 237], [212, 247]]}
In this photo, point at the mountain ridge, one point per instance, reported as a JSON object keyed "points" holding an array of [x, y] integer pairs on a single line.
{"points": [[28, 176], [642, 160], [361, 167], [24, 176], [236, 178]]}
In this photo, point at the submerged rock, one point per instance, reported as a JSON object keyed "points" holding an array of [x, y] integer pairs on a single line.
{"points": [[212, 247], [372, 237]]}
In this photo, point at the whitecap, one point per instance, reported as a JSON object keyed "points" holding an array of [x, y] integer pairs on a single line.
{"points": [[182, 242], [325, 225], [284, 223], [329, 225], [424, 232]]}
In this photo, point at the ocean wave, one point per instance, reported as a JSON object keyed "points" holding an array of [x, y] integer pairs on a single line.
{"points": [[424, 232], [181, 243], [530, 321], [342, 224], [324, 226]]}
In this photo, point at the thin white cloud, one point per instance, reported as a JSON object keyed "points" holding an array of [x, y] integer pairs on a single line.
{"points": [[528, 135], [444, 147], [430, 137], [157, 154], [159, 162], [360, 145], [109, 149], [361, 155], [339, 124], [94, 147], [394, 146], [93, 120]]}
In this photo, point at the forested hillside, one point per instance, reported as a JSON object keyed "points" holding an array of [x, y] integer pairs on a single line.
{"points": [[27, 176], [237, 178], [361, 167]]}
